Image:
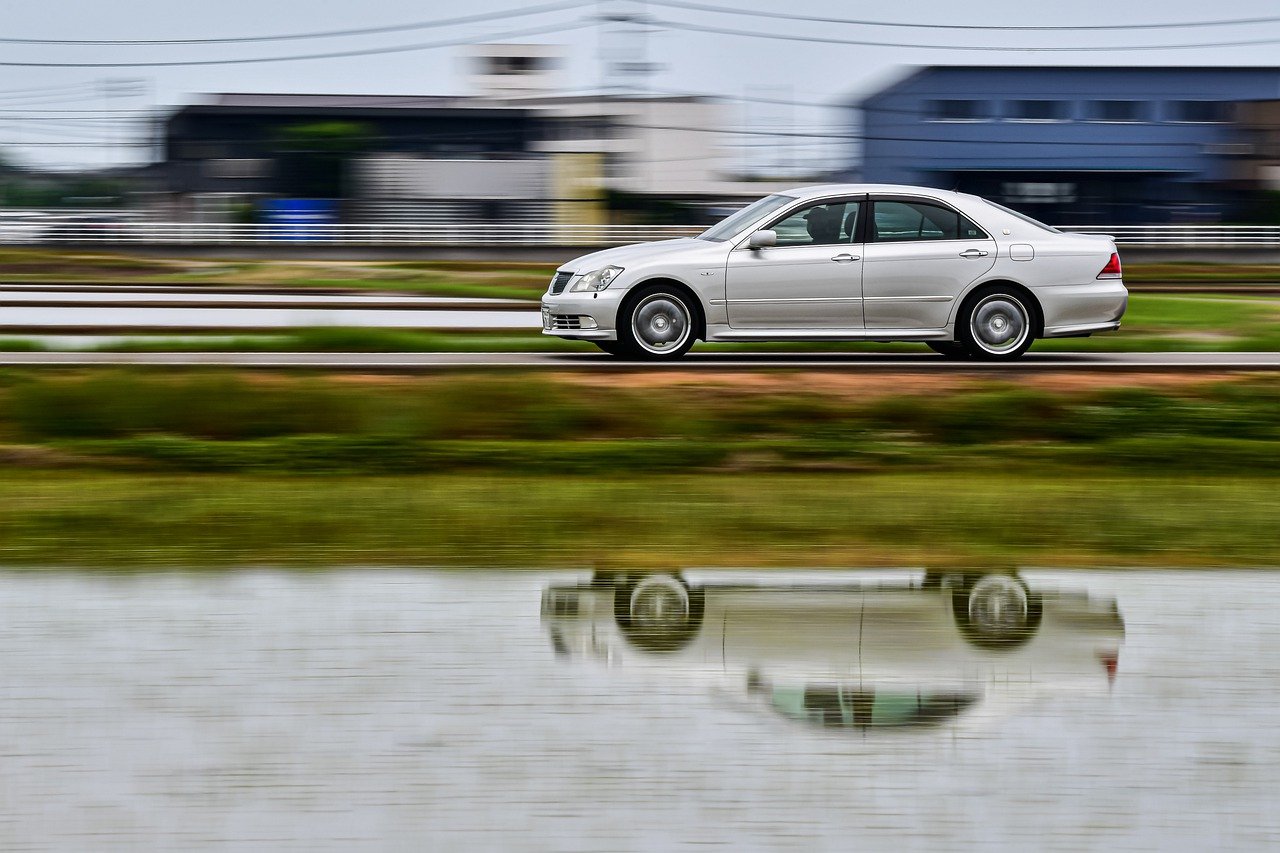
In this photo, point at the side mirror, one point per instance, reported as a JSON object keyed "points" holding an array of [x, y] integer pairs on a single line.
{"points": [[762, 240]]}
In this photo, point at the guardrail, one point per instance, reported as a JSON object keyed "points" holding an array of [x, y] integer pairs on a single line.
{"points": [[529, 234], [1186, 236], [355, 234]]}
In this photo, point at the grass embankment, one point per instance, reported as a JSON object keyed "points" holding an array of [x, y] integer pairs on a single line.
{"points": [[501, 279], [126, 468], [504, 280]]}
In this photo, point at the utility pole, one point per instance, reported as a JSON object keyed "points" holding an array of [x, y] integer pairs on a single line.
{"points": [[123, 88], [624, 46]]}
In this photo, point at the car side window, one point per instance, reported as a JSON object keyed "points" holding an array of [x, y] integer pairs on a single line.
{"points": [[824, 224], [900, 221]]}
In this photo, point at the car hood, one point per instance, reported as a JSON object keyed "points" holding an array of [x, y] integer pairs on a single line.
{"points": [[622, 255]]}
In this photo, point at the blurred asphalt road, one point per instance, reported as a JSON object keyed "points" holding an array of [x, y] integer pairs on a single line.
{"points": [[924, 362]]}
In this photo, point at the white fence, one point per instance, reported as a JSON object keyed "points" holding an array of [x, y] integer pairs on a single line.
{"points": [[525, 234], [1186, 236], [472, 234]]}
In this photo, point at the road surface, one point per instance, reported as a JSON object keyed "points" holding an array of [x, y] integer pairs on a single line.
{"points": [[882, 362], [90, 309]]}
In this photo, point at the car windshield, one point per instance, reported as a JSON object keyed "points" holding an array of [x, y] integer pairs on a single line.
{"points": [[726, 228], [1036, 222]]}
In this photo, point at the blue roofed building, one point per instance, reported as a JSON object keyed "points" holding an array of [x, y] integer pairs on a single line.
{"points": [[1071, 145]]}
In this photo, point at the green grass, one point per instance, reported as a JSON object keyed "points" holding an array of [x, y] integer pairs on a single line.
{"points": [[224, 421], [100, 520], [132, 468]]}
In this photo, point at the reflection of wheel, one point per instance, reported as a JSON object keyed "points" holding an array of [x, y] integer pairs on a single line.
{"points": [[995, 611], [658, 612], [659, 324], [950, 349], [999, 324], [613, 347]]}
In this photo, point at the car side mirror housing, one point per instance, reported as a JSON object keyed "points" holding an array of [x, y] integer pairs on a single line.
{"points": [[762, 240]]}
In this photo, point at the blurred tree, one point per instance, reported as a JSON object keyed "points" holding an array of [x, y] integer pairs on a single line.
{"points": [[639, 209], [313, 157]]}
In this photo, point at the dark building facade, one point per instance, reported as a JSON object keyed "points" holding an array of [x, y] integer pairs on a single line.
{"points": [[292, 145], [1070, 145]]}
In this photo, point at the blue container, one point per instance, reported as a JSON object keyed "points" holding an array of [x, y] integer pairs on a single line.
{"points": [[299, 218]]}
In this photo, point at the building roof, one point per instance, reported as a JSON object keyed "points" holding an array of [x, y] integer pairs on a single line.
{"points": [[321, 101], [916, 72]]}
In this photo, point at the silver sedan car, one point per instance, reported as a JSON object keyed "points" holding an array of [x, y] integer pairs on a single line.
{"points": [[846, 262]]}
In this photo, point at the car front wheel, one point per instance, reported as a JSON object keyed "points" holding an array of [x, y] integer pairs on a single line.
{"points": [[658, 325], [998, 326]]}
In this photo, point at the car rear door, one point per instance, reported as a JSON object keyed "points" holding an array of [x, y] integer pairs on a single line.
{"points": [[812, 279], [919, 256]]}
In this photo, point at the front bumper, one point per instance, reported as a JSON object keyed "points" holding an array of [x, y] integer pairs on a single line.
{"points": [[1081, 309], [582, 316]]}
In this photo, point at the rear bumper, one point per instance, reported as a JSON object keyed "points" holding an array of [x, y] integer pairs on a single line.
{"points": [[1082, 309]]}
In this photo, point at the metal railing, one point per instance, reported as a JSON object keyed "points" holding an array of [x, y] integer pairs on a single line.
{"points": [[526, 234], [470, 234], [1186, 236]]}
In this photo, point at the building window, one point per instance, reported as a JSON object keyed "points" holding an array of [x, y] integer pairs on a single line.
{"points": [[1116, 111], [1036, 192], [516, 64], [237, 168], [1038, 111], [957, 110], [1201, 112]]}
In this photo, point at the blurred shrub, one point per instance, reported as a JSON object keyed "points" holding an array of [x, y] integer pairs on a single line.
{"points": [[213, 406], [230, 421]]}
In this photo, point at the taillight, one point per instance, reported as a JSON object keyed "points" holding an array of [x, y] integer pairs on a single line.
{"points": [[1112, 269]]}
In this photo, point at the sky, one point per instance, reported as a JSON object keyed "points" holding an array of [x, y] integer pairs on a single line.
{"points": [[63, 117]]}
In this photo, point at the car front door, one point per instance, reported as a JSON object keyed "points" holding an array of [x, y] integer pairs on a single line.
{"points": [[920, 255], [812, 278]]}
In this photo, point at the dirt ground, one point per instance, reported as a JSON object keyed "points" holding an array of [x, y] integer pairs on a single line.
{"points": [[854, 384]]}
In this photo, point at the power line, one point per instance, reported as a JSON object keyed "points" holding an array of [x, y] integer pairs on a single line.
{"points": [[704, 28], [404, 48], [785, 16], [363, 31]]}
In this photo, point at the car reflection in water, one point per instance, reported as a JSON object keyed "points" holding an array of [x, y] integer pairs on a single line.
{"points": [[850, 655]]}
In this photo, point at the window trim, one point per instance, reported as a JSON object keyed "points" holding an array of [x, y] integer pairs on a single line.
{"points": [[802, 203], [872, 199]]}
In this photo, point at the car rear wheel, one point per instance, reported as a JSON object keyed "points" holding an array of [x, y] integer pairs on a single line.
{"points": [[995, 610], [657, 612], [658, 325], [998, 326]]}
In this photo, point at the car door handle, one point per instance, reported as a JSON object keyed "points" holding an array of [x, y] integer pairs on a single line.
{"points": [[973, 253], [845, 258]]}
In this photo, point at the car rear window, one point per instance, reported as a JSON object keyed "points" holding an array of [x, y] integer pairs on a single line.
{"points": [[1027, 219]]}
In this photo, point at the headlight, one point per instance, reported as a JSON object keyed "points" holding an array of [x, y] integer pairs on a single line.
{"points": [[597, 280]]}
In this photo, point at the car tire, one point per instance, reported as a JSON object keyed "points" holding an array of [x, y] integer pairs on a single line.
{"points": [[949, 349], [996, 610], [657, 612], [658, 323], [997, 324], [615, 348]]}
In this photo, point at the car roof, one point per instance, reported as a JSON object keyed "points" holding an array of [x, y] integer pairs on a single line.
{"points": [[819, 190]]}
